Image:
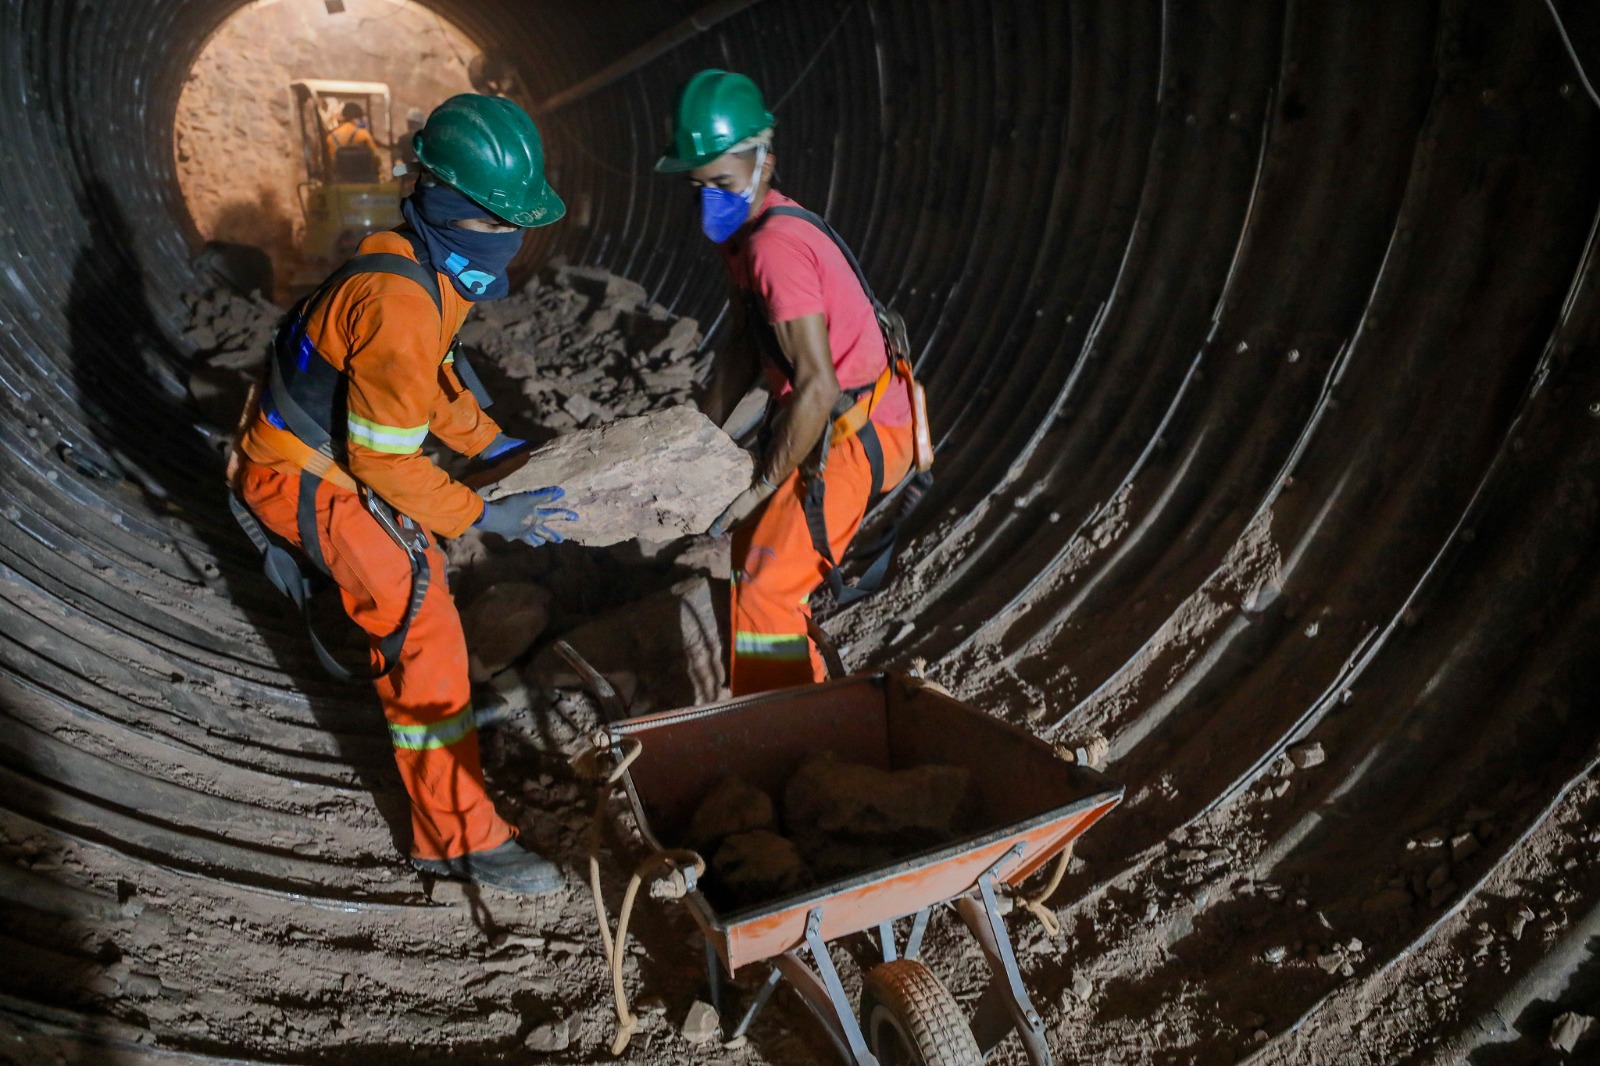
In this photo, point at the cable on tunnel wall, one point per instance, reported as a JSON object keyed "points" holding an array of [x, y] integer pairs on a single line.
{"points": [[1262, 365]]}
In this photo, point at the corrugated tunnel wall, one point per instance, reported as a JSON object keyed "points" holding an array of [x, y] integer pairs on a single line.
{"points": [[1261, 343]]}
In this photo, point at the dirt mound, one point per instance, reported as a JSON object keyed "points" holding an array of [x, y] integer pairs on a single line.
{"points": [[230, 339], [586, 347]]}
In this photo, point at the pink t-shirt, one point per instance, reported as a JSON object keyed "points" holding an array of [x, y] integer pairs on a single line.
{"points": [[797, 270]]}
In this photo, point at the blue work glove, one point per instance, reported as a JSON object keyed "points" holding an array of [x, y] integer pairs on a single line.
{"points": [[503, 446], [520, 517]]}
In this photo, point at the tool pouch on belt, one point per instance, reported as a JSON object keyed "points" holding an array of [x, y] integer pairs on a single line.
{"points": [[898, 344], [300, 403]]}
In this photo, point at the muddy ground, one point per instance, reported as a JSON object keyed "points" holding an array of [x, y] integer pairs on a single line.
{"points": [[1219, 916]]}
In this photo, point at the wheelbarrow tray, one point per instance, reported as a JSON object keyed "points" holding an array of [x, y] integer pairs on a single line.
{"points": [[1033, 802]]}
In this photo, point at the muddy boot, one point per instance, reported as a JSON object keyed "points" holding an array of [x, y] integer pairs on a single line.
{"points": [[509, 866]]}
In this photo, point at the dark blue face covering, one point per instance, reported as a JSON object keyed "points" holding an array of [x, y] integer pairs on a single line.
{"points": [[475, 263]]}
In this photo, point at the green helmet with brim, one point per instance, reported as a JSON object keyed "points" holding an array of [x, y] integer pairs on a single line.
{"points": [[717, 110], [488, 147]]}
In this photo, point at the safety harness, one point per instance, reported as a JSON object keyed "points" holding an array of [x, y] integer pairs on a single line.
{"points": [[302, 416], [852, 416]]}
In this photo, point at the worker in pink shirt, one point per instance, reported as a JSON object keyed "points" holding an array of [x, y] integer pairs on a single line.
{"points": [[842, 431]]}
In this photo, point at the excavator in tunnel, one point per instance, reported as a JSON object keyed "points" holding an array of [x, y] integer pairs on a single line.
{"points": [[349, 190], [1262, 342]]}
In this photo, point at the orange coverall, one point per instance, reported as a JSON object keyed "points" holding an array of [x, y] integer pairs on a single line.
{"points": [[350, 132], [382, 331], [777, 567]]}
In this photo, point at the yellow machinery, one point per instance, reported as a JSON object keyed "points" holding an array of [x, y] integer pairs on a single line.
{"points": [[348, 193]]}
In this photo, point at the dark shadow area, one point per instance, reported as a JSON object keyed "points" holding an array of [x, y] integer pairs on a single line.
{"points": [[114, 340], [263, 223]]}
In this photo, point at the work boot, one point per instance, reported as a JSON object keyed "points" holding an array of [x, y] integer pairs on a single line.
{"points": [[509, 866]]}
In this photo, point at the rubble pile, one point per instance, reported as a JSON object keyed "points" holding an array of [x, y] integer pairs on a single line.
{"points": [[838, 819], [605, 381], [230, 337], [583, 346], [586, 348]]}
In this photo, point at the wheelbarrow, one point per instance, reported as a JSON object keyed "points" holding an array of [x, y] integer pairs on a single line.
{"points": [[1034, 802]]}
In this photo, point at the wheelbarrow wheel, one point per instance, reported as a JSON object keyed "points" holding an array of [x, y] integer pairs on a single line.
{"points": [[911, 1019]]}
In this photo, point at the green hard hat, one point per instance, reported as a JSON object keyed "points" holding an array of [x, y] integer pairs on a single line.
{"points": [[716, 111], [489, 148]]}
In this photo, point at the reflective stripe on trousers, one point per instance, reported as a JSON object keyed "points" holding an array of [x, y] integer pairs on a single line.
{"points": [[771, 646], [441, 734]]}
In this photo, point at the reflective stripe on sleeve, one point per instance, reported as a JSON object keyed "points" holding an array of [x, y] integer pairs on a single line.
{"points": [[784, 646], [396, 440], [441, 734]]}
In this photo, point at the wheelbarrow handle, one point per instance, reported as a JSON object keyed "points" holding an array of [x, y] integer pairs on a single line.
{"points": [[605, 759], [611, 708]]}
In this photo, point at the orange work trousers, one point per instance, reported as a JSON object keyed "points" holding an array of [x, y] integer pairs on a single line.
{"points": [[777, 567], [426, 697]]}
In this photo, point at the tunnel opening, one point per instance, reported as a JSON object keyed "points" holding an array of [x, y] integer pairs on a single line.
{"points": [[1260, 340], [263, 101]]}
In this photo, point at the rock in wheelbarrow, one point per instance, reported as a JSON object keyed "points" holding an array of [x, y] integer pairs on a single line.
{"points": [[733, 806], [831, 799], [657, 476], [758, 866]]}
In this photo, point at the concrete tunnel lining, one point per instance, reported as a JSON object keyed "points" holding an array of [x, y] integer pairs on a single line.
{"points": [[1260, 338]]}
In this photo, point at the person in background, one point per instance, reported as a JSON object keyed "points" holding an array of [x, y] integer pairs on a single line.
{"points": [[352, 132]]}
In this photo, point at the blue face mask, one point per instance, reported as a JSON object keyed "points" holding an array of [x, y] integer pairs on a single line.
{"points": [[475, 263], [722, 211]]}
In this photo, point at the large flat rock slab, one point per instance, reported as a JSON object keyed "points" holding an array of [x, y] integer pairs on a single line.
{"points": [[656, 476]]}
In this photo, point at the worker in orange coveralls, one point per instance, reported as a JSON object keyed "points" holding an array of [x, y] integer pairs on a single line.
{"points": [[330, 461], [805, 319], [351, 131]]}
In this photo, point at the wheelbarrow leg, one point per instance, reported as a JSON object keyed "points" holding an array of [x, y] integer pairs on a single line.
{"points": [[919, 925], [1005, 1004], [825, 995], [765, 994], [714, 977], [887, 943]]}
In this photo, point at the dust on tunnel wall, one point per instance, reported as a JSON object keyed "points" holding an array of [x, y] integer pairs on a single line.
{"points": [[240, 162], [1079, 207], [1191, 283]]}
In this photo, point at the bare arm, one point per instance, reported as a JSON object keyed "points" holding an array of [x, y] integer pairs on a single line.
{"points": [[733, 371], [802, 421], [805, 418]]}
